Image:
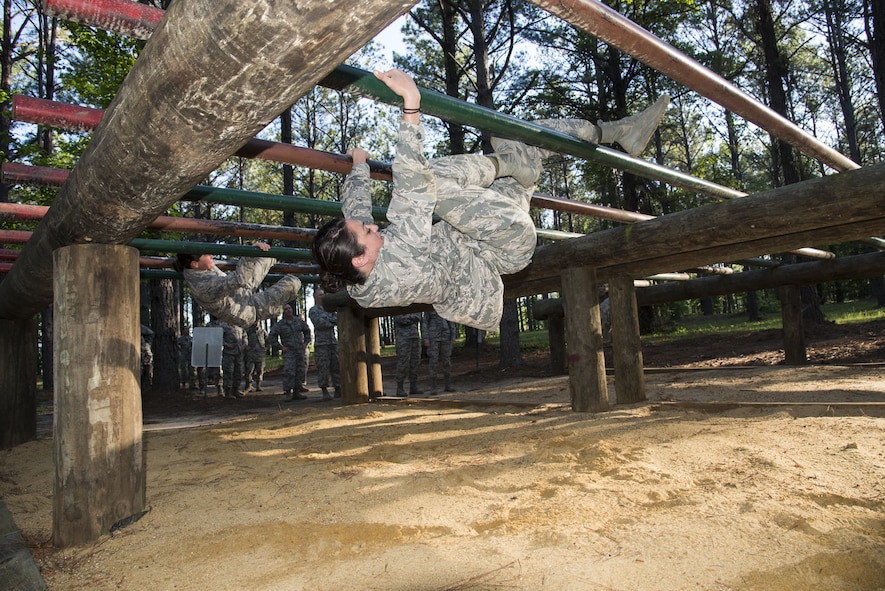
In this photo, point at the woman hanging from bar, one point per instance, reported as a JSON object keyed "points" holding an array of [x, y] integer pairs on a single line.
{"points": [[482, 200]]}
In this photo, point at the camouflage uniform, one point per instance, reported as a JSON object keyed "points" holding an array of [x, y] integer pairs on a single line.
{"points": [[456, 264], [305, 353], [288, 334], [256, 351], [408, 352], [187, 375], [234, 345], [325, 349], [232, 298], [439, 334]]}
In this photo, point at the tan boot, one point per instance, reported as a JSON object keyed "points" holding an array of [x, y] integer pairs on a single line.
{"points": [[634, 132], [517, 160]]}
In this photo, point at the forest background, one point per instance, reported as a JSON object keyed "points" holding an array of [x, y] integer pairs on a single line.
{"points": [[820, 63]]}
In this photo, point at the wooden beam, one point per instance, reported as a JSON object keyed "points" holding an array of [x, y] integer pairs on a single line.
{"points": [[211, 76], [626, 346], [773, 221], [18, 382]]}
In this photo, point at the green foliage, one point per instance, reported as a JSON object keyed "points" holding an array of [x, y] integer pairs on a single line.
{"points": [[97, 63]]}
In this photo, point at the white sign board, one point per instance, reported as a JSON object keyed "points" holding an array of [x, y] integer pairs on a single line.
{"points": [[207, 346]]}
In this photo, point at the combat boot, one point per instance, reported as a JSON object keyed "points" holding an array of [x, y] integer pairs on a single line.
{"points": [[413, 388], [326, 395], [257, 386], [517, 160], [634, 132], [448, 384], [400, 391], [433, 391]]}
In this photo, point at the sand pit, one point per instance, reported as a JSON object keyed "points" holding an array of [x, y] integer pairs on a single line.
{"points": [[522, 493]]}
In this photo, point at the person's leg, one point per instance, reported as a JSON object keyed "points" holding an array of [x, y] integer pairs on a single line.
{"points": [[335, 369], [402, 364], [259, 373], [632, 133], [269, 302], [432, 359], [414, 364], [446, 358]]}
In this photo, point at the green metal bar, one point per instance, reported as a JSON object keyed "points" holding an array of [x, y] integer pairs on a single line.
{"points": [[277, 252], [355, 80], [270, 278], [257, 200]]}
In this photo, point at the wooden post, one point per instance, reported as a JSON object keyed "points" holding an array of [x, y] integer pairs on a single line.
{"points": [[794, 327], [551, 311], [18, 382], [352, 356], [373, 348], [626, 347], [99, 456], [586, 360]]}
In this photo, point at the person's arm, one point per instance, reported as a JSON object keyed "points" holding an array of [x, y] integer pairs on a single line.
{"points": [[403, 85], [356, 194]]}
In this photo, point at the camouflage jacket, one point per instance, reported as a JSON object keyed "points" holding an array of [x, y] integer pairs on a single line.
{"points": [[436, 328], [405, 326], [228, 296], [324, 323]]}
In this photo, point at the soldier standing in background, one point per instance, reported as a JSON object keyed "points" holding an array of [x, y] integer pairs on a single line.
{"points": [[187, 375], [325, 346], [232, 350], [439, 336], [408, 352], [256, 351], [288, 334]]}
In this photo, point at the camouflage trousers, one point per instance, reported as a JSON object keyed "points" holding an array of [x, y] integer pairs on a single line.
{"points": [[231, 373], [294, 370], [408, 358], [440, 351], [254, 373], [187, 374], [326, 359]]}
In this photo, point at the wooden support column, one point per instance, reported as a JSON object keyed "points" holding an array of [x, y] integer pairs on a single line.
{"points": [[352, 356], [626, 347], [18, 382], [551, 311], [794, 327], [99, 456], [586, 360], [373, 347]]}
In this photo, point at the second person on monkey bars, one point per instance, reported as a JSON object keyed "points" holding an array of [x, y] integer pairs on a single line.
{"points": [[482, 200]]}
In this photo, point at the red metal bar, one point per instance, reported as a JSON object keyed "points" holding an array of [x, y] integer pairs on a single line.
{"points": [[14, 236], [617, 30], [8, 254], [127, 18], [19, 211], [54, 114], [64, 116], [42, 176]]}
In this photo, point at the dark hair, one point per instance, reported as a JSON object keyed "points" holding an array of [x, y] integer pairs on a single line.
{"points": [[334, 247], [183, 261]]}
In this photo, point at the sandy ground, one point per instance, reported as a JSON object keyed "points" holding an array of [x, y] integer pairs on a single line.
{"points": [[762, 478]]}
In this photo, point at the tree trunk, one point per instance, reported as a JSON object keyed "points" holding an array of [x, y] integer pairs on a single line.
{"points": [[874, 11], [165, 323]]}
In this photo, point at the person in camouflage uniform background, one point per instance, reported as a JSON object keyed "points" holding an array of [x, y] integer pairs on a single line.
{"points": [[439, 336], [232, 351], [483, 201], [408, 352], [231, 297], [256, 351], [187, 375], [325, 346], [288, 335]]}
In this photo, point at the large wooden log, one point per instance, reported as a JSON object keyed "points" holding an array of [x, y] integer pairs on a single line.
{"points": [[773, 221], [211, 76], [353, 355], [99, 456]]}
